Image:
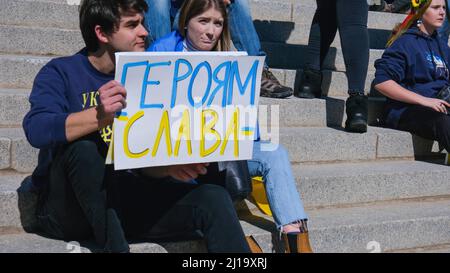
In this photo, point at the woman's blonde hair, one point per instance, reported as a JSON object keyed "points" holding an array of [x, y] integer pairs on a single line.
{"points": [[192, 8], [418, 8]]}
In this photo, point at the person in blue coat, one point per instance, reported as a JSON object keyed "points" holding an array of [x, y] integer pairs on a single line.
{"points": [[413, 71], [203, 26]]}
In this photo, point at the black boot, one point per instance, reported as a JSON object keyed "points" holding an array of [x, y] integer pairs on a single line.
{"points": [[310, 85], [356, 108]]}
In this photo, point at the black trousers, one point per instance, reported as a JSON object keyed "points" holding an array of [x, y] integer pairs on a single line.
{"points": [[85, 198], [350, 17], [426, 123]]}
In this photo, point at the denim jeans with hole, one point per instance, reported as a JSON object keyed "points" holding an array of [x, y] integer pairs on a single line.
{"points": [[282, 195]]}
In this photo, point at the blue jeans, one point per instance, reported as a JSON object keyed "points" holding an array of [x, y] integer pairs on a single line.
{"points": [[275, 168], [243, 32], [445, 29]]}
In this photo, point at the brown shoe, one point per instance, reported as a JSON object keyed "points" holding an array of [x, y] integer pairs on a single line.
{"points": [[254, 246], [296, 243], [272, 88]]}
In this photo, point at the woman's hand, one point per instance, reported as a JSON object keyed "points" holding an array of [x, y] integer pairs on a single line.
{"points": [[435, 104], [186, 172]]}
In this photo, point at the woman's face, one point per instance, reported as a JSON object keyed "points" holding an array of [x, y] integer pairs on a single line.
{"points": [[434, 16], [204, 30]]}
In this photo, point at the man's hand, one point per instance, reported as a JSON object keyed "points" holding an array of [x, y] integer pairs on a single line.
{"points": [[186, 172], [112, 97]]}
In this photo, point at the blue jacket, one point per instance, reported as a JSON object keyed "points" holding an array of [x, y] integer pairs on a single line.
{"points": [[416, 61], [171, 42], [64, 85]]}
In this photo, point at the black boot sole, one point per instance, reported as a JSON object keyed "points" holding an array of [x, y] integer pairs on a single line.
{"points": [[305, 95], [280, 95], [356, 126]]}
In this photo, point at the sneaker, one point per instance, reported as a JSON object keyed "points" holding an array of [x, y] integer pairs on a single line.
{"points": [[272, 88]]}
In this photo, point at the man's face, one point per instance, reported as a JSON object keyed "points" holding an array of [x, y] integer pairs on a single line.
{"points": [[131, 34]]}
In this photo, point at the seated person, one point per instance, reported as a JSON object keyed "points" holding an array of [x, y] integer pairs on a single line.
{"points": [[73, 103], [243, 33], [203, 26], [412, 72]]}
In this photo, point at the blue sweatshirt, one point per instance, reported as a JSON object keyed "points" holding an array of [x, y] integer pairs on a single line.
{"points": [[64, 85], [416, 61], [174, 42]]}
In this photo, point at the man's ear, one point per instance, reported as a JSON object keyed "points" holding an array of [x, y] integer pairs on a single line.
{"points": [[101, 36]]}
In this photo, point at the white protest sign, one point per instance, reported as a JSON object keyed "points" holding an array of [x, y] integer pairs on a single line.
{"points": [[185, 107]]}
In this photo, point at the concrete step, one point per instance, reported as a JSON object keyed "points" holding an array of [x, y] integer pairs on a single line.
{"points": [[350, 184], [19, 71], [334, 83], [440, 248], [305, 145], [17, 200], [57, 41], [387, 226], [290, 23], [395, 225], [40, 40], [291, 56], [335, 145], [13, 106], [322, 185], [61, 14], [50, 34], [15, 151], [39, 13]]}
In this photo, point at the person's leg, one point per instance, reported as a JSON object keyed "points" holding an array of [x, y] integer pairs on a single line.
{"points": [[75, 200], [157, 19], [427, 123], [242, 30], [283, 197], [245, 38], [166, 210], [352, 22], [282, 194], [321, 35]]}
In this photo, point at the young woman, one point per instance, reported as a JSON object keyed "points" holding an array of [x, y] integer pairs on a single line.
{"points": [[412, 72], [203, 26]]}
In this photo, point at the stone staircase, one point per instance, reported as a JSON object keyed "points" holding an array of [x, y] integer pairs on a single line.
{"points": [[359, 190]]}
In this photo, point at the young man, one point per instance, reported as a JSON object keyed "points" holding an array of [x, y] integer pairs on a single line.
{"points": [[243, 34], [73, 102]]}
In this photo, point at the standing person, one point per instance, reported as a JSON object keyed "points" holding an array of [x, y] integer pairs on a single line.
{"points": [[242, 30], [203, 26], [73, 103], [414, 74], [350, 17]]}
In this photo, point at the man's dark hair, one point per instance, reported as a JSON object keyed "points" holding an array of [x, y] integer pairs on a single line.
{"points": [[106, 14]]}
